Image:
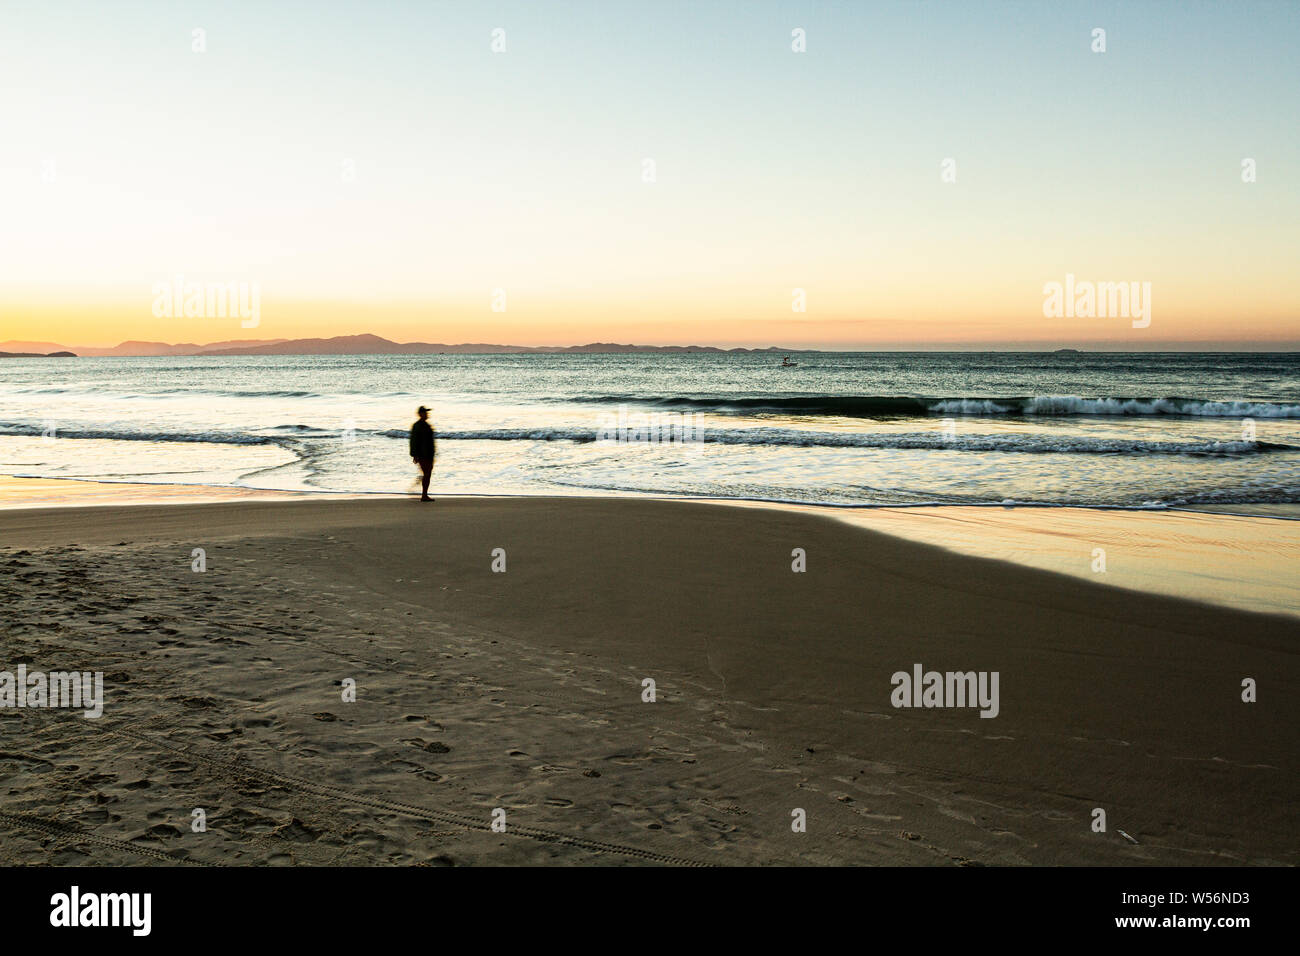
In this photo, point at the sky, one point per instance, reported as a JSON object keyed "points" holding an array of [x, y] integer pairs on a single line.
{"points": [[378, 167]]}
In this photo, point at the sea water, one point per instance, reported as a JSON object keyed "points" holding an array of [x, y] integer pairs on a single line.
{"points": [[849, 429]]}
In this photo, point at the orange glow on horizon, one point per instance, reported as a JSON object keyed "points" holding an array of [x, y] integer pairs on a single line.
{"points": [[107, 325]]}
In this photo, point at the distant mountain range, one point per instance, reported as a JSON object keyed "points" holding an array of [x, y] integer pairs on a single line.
{"points": [[339, 345], [24, 349]]}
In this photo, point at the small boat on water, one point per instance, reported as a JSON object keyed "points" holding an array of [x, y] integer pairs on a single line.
{"points": [[786, 363]]}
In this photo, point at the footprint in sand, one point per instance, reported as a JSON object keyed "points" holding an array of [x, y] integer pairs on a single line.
{"points": [[297, 831], [428, 721], [429, 746], [237, 821], [163, 831]]}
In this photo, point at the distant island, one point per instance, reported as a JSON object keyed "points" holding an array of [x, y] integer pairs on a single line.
{"points": [[345, 345]]}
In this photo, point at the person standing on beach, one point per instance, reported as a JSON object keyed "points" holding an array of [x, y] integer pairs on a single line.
{"points": [[422, 450]]}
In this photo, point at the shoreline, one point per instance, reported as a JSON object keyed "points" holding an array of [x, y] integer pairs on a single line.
{"points": [[11, 493]]}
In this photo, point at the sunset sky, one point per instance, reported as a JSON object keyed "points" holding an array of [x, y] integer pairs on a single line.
{"points": [[127, 158]]}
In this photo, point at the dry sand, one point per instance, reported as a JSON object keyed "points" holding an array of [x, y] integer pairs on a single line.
{"points": [[523, 690]]}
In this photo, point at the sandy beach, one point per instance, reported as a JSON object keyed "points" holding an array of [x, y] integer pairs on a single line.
{"points": [[523, 690]]}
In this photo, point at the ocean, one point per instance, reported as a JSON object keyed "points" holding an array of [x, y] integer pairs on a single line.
{"points": [[1130, 430]]}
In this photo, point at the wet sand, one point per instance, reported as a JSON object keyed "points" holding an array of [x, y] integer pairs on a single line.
{"points": [[1251, 562], [65, 492]]}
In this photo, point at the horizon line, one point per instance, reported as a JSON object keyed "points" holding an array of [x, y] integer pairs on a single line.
{"points": [[228, 345]]}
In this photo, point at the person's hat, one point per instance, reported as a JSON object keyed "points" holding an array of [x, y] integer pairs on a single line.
{"points": [[421, 410]]}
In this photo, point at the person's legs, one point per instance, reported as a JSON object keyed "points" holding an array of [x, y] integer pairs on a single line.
{"points": [[426, 472]]}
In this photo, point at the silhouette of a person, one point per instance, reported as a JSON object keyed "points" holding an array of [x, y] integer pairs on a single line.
{"points": [[422, 450]]}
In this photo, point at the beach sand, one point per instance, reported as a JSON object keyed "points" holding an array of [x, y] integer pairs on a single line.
{"points": [[523, 691], [1249, 562]]}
